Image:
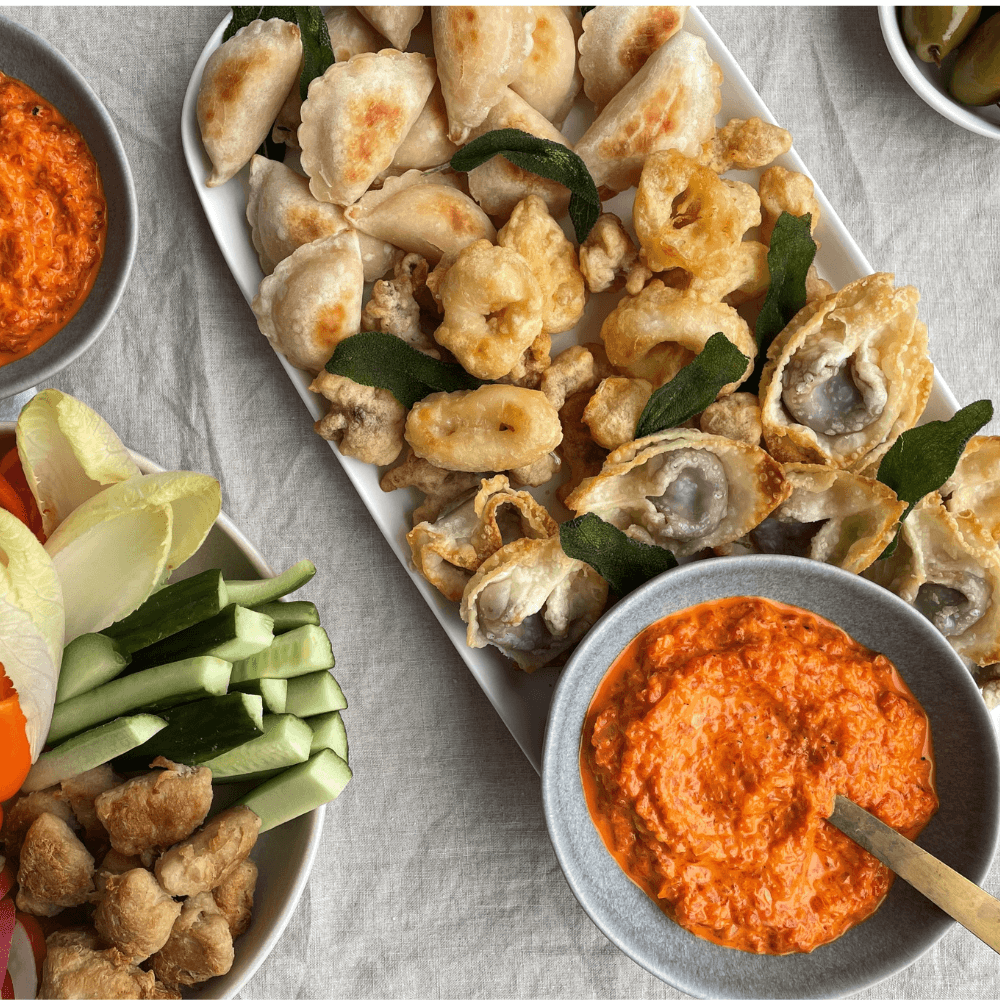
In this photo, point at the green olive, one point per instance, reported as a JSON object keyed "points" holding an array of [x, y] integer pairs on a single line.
{"points": [[935, 31], [975, 79]]}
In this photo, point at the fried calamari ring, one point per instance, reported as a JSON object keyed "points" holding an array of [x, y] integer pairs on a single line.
{"points": [[494, 427], [614, 410]]}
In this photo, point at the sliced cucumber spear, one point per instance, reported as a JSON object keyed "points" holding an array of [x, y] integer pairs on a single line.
{"points": [[273, 692], [328, 733], [286, 741], [250, 593], [287, 615], [91, 749], [301, 651], [150, 690], [298, 790], [314, 694], [89, 660]]}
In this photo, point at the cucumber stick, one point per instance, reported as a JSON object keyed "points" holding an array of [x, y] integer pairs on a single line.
{"points": [[233, 634], [89, 660], [252, 592], [272, 690], [200, 730], [314, 694], [298, 790], [149, 690], [287, 615], [91, 749], [286, 741], [171, 610], [328, 733], [301, 651]]}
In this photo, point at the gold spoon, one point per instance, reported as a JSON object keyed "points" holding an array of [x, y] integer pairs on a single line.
{"points": [[972, 907]]}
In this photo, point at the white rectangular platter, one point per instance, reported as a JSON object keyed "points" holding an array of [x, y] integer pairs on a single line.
{"points": [[522, 700]]}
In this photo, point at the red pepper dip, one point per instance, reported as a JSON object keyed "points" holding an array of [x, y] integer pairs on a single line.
{"points": [[711, 755], [53, 220]]}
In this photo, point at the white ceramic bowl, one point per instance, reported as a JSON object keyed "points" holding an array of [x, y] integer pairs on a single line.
{"points": [[928, 82], [285, 855]]}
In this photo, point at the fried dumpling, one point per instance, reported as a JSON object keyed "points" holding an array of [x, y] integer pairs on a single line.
{"points": [[422, 213], [480, 51], [427, 143], [974, 486], [847, 376], [670, 103], [655, 333], [448, 551], [242, 89], [833, 516], [617, 42], [947, 566], [498, 185], [532, 601], [312, 301], [549, 80], [683, 490], [396, 23], [357, 115]]}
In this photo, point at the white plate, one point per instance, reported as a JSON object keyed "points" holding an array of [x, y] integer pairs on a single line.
{"points": [[522, 700]]}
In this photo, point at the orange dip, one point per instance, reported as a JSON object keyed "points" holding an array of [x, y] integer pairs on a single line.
{"points": [[711, 755], [53, 220]]}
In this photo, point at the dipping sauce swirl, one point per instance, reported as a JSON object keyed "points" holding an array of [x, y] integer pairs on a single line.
{"points": [[53, 220], [711, 755]]}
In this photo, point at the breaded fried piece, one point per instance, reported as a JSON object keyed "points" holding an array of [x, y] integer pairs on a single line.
{"points": [[134, 914], [55, 867], [114, 863], [208, 858], [81, 790], [199, 947], [156, 810], [234, 897], [23, 811]]}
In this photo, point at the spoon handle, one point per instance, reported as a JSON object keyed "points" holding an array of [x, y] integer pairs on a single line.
{"points": [[971, 906]]}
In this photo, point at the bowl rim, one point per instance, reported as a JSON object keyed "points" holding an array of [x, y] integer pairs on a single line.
{"points": [[29, 371], [924, 89], [633, 922]]}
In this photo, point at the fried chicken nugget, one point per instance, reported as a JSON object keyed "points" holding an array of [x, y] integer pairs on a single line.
{"points": [[156, 810], [134, 914], [234, 897], [200, 945], [19, 816], [81, 790], [210, 856], [55, 868]]}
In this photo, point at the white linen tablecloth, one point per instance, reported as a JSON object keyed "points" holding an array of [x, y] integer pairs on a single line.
{"points": [[435, 877]]}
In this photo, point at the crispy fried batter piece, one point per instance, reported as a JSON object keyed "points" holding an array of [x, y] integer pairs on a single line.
{"points": [[393, 307], [571, 372], [736, 416], [156, 810], [440, 486], [366, 422], [211, 855], [199, 947], [134, 914], [745, 145], [81, 791], [234, 897], [579, 450], [18, 817], [614, 410], [609, 258], [55, 867], [784, 190], [114, 863]]}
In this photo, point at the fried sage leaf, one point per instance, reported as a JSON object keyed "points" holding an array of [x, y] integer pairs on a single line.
{"points": [[622, 561], [788, 261], [924, 458], [694, 387], [386, 362], [540, 156]]}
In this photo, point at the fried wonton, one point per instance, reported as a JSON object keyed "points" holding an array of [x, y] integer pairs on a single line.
{"points": [[427, 143], [312, 300], [357, 116], [396, 23], [480, 51], [242, 88], [683, 490], [549, 80], [974, 486], [847, 376], [532, 601], [670, 103], [617, 42]]}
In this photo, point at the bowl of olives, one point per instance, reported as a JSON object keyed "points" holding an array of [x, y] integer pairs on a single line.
{"points": [[951, 57]]}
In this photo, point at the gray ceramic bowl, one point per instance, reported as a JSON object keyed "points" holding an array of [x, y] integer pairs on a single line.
{"points": [[963, 833], [26, 57]]}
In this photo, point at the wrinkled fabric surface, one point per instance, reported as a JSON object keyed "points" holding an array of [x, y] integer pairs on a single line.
{"points": [[435, 877]]}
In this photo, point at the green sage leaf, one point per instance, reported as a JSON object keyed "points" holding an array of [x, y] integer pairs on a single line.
{"points": [[545, 158], [386, 362], [788, 261], [622, 561], [695, 386], [923, 458]]}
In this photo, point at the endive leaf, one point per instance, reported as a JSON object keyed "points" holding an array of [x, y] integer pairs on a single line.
{"points": [[69, 454], [31, 625]]}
